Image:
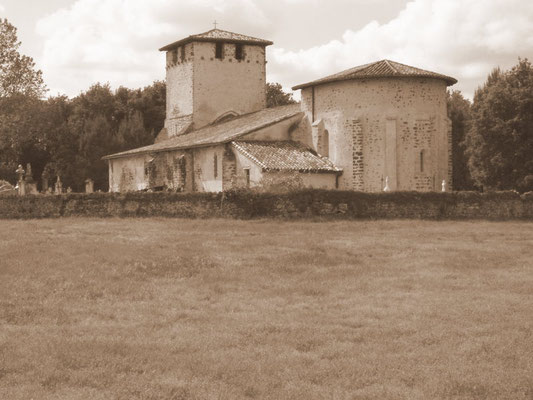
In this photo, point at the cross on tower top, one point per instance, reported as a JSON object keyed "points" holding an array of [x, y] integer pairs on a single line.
{"points": [[215, 24]]}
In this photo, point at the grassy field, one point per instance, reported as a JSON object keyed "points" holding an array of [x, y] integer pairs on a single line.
{"points": [[220, 309]]}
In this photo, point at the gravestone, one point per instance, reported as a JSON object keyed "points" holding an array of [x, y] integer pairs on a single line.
{"points": [[386, 188], [21, 185], [89, 185], [31, 185], [44, 181], [58, 186]]}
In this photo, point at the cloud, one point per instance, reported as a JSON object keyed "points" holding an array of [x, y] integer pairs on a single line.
{"points": [[116, 41], [2, 8], [461, 38]]}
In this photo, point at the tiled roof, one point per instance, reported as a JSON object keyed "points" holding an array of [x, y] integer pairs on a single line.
{"points": [[222, 132], [284, 156], [218, 35], [379, 69]]}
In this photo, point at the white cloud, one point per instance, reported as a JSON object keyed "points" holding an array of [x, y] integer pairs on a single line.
{"points": [[2, 8], [116, 41], [461, 38]]}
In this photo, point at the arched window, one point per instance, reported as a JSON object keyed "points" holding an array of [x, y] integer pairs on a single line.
{"points": [[226, 117]]}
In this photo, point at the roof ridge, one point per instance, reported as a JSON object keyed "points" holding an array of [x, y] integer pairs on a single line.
{"points": [[233, 33], [360, 68], [417, 68], [218, 35], [282, 155], [201, 33], [379, 69], [391, 66], [296, 143], [222, 132], [247, 154]]}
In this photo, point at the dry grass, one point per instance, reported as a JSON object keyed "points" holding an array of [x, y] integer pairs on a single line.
{"points": [[218, 309]]}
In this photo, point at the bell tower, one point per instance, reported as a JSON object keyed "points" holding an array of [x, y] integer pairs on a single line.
{"points": [[213, 76]]}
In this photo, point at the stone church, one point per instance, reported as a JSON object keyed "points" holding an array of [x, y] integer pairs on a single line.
{"points": [[377, 125]]}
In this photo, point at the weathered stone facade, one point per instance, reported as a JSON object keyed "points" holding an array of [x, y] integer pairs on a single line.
{"points": [[302, 204], [170, 170], [376, 125], [385, 127], [202, 88]]}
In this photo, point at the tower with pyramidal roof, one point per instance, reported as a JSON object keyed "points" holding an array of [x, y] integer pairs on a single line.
{"points": [[213, 76], [378, 126]]}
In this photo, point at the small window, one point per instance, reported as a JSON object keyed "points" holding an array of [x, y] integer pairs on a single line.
{"points": [[182, 53], [239, 55], [421, 160], [219, 47], [325, 144], [149, 168], [247, 176], [215, 166]]}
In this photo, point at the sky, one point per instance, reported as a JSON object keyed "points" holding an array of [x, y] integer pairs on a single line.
{"points": [[77, 43]]}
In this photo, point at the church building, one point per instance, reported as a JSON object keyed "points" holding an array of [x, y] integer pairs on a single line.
{"points": [[378, 125]]}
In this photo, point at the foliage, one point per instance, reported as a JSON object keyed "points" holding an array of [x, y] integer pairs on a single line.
{"points": [[68, 137], [276, 96], [246, 204], [500, 141], [18, 75], [459, 114]]}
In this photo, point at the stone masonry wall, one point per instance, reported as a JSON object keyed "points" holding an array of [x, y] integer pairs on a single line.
{"points": [[227, 85], [449, 180], [179, 87], [415, 109], [248, 204], [205, 177], [357, 154], [202, 88], [170, 170], [229, 168]]}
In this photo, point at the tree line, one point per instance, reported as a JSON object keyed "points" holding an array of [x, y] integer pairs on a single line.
{"points": [[492, 137], [67, 137]]}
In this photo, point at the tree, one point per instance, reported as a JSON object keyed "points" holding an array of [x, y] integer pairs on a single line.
{"points": [[21, 87], [153, 106], [499, 143], [276, 96], [17, 72], [132, 133], [97, 140], [459, 113], [20, 129]]}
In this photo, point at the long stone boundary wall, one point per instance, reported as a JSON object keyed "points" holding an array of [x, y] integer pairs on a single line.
{"points": [[298, 204]]}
